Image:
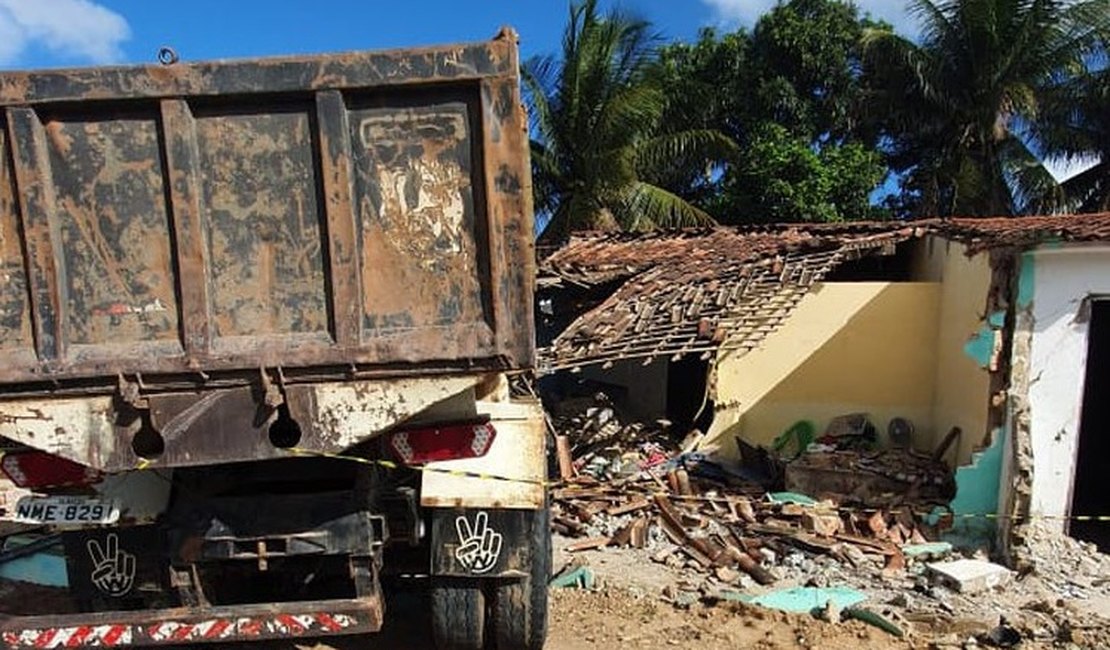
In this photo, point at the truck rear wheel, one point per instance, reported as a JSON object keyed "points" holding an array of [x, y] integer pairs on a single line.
{"points": [[458, 615], [519, 612]]}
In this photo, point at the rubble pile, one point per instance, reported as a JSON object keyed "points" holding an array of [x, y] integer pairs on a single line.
{"points": [[718, 529], [1068, 568], [831, 519], [632, 485]]}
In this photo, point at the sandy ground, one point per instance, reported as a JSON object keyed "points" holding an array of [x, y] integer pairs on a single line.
{"points": [[618, 618], [629, 609], [623, 616]]}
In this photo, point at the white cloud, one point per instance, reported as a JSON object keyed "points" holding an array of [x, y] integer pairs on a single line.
{"points": [[76, 29], [745, 12]]}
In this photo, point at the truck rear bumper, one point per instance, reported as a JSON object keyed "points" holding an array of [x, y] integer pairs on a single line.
{"points": [[195, 625]]}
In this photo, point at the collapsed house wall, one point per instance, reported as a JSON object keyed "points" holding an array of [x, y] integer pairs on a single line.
{"points": [[920, 350], [848, 347], [962, 379], [1062, 282]]}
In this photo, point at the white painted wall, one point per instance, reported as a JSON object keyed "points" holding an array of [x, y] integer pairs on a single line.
{"points": [[1063, 278]]}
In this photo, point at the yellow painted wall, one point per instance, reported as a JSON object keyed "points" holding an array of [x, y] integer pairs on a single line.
{"points": [[962, 394], [849, 347], [887, 349]]}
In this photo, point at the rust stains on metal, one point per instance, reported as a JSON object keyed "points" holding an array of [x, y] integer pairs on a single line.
{"points": [[458, 63], [107, 180], [354, 213], [15, 311], [265, 259], [416, 212]]}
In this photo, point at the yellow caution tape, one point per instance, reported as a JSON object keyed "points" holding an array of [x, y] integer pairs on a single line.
{"points": [[388, 464]]}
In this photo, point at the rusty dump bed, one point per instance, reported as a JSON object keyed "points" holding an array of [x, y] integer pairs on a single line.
{"points": [[355, 213]]}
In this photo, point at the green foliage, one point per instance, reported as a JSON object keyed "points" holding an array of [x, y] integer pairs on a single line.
{"points": [[780, 177], [787, 93], [803, 117], [954, 106], [805, 56], [1075, 126], [597, 118]]}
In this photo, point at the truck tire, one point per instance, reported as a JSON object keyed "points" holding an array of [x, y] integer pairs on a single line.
{"points": [[519, 612], [458, 616]]}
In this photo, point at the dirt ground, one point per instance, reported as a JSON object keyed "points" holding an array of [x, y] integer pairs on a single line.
{"points": [[630, 607], [618, 618], [624, 616]]}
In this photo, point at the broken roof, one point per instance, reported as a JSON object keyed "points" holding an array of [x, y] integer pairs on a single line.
{"points": [[1022, 232], [687, 291]]}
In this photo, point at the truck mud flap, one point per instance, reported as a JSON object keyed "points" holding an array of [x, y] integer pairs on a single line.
{"points": [[190, 626], [486, 543]]}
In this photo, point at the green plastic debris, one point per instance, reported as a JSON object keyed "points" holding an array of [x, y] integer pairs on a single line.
{"points": [[791, 497], [873, 618], [581, 578], [931, 549], [802, 433], [809, 600]]}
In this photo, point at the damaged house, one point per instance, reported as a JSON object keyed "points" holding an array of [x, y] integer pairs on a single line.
{"points": [[980, 342]]}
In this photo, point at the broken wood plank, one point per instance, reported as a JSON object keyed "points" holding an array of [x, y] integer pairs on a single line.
{"points": [[742, 509], [683, 478], [639, 533], [562, 452], [750, 566], [590, 544], [886, 548], [633, 506], [622, 537], [572, 525]]}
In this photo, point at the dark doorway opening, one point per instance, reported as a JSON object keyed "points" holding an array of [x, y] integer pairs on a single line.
{"points": [[688, 405], [1090, 493]]}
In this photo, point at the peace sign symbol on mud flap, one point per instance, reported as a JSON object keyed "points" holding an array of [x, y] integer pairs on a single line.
{"points": [[479, 546], [113, 568]]}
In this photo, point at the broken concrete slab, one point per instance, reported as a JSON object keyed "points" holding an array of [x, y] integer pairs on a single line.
{"points": [[970, 576], [808, 600]]}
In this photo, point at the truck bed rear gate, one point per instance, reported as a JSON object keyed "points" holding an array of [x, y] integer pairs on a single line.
{"points": [[364, 212]]}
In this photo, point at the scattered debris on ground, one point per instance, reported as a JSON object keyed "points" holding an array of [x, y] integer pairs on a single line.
{"points": [[858, 537]]}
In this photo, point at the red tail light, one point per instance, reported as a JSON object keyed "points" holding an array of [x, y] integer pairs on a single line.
{"points": [[450, 442], [37, 469]]}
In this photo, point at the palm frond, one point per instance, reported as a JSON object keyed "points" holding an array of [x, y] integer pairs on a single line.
{"points": [[684, 148], [644, 206]]}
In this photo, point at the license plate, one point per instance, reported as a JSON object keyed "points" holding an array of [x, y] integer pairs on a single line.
{"points": [[65, 511]]}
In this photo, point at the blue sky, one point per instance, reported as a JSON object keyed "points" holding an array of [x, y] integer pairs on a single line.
{"points": [[51, 33]]}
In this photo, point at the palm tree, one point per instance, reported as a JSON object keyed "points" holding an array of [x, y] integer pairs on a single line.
{"points": [[1076, 128], [959, 106], [599, 141]]}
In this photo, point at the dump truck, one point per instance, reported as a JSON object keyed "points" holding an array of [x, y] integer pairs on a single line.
{"points": [[258, 324]]}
